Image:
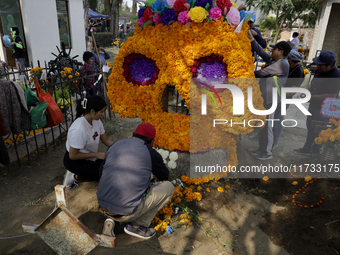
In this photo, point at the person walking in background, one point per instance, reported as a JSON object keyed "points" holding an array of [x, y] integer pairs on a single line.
{"points": [[296, 77], [326, 83], [103, 55], [87, 70], [295, 41], [82, 159], [18, 52]]}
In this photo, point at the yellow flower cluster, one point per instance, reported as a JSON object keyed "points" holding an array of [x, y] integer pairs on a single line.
{"points": [[36, 69], [305, 71], [108, 64], [174, 49], [181, 194], [67, 72], [35, 73], [330, 136]]}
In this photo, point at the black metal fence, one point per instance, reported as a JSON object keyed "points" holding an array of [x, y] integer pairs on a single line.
{"points": [[66, 89]]}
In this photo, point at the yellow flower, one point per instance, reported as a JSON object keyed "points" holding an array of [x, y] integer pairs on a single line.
{"points": [[198, 14], [295, 183], [308, 178], [220, 189], [76, 74], [199, 188], [234, 4], [265, 178], [208, 189], [199, 218], [227, 187], [70, 76]]}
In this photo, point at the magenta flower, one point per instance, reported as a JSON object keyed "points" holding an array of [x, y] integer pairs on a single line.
{"points": [[140, 21], [157, 18], [183, 18], [215, 13]]}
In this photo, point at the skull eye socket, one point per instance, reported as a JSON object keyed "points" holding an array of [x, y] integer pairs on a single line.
{"points": [[211, 67], [140, 70]]}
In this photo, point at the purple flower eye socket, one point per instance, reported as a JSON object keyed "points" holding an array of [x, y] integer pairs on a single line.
{"points": [[140, 70], [210, 70]]}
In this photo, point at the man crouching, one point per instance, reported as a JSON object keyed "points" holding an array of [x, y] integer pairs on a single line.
{"points": [[124, 193]]}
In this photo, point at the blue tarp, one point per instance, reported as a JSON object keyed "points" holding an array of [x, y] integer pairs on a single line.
{"points": [[93, 14]]}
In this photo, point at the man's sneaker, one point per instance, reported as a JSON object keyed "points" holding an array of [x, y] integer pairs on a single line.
{"points": [[255, 153], [69, 180], [302, 152], [254, 137], [141, 231], [264, 157], [110, 227]]}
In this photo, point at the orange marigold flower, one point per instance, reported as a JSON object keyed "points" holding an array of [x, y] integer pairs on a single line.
{"points": [[220, 189], [227, 187], [177, 200], [208, 189]]}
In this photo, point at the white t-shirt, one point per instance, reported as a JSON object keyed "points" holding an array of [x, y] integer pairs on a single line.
{"points": [[84, 136], [296, 43]]}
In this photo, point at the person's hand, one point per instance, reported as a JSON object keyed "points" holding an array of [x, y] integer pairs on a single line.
{"points": [[253, 32], [101, 155], [13, 43], [250, 35], [242, 7]]}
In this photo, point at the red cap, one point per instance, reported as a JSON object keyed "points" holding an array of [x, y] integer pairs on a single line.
{"points": [[146, 129]]}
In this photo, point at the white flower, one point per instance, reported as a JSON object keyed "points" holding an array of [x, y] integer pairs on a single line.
{"points": [[165, 154], [176, 210], [160, 151], [172, 164], [164, 161], [174, 182], [180, 183], [173, 156]]}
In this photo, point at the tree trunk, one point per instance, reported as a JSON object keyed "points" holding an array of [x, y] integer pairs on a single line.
{"points": [[134, 11], [107, 7], [86, 15], [278, 29], [114, 18]]}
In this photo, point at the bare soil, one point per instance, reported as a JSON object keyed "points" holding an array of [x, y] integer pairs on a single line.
{"points": [[253, 217]]}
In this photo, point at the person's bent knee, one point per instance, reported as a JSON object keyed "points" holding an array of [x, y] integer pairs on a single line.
{"points": [[168, 187]]}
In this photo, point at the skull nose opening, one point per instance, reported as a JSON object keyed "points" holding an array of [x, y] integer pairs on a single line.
{"points": [[172, 101]]}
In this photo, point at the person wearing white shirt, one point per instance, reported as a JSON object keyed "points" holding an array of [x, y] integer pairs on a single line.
{"points": [[295, 41], [82, 159]]}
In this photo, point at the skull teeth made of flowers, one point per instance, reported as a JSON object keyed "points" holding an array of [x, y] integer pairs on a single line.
{"points": [[166, 55]]}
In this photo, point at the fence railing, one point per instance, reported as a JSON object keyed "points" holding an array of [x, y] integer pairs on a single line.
{"points": [[65, 90]]}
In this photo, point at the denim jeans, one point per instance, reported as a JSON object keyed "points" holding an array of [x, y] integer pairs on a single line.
{"points": [[310, 145]]}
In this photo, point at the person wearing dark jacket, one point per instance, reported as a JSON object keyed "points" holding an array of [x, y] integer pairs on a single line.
{"points": [[326, 83], [256, 33], [18, 52], [123, 193]]}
